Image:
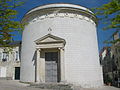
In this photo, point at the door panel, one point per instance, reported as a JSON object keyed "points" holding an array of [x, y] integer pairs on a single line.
{"points": [[17, 73], [51, 59]]}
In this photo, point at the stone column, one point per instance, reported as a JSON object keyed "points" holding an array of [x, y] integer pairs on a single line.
{"points": [[37, 79], [62, 64]]}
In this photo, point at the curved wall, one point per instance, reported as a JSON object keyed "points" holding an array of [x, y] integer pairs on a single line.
{"points": [[81, 50]]}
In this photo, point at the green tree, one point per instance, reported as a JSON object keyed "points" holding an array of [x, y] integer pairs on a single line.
{"points": [[8, 25], [110, 14]]}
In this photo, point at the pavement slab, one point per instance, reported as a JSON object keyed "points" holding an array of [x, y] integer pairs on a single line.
{"points": [[16, 85]]}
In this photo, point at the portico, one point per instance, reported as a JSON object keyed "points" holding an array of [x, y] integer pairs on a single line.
{"points": [[49, 65]]}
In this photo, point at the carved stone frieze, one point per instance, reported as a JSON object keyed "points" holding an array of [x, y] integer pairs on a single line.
{"points": [[61, 15]]}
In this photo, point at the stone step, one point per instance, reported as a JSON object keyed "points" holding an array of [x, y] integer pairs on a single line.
{"points": [[5, 78], [53, 86]]}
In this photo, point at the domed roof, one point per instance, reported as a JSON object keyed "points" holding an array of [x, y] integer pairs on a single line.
{"points": [[59, 8], [59, 5]]}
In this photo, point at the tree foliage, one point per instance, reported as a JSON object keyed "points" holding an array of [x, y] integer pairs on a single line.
{"points": [[110, 14], [7, 23]]}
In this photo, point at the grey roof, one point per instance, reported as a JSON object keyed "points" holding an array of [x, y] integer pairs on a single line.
{"points": [[15, 43], [12, 44]]}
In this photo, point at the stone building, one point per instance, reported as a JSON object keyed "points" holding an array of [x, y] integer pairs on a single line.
{"points": [[110, 60], [10, 61], [59, 45]]}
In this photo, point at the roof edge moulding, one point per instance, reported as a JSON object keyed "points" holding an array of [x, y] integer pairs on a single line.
{"points": [[46, 10]]}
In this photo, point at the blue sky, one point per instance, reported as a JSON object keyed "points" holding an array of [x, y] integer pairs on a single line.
{"points": [[29, 4]]}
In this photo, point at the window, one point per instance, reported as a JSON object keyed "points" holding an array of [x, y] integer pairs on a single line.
{"points": [[13, 53], [5, 56], [17, 55], [0, 56], [116, 50]]}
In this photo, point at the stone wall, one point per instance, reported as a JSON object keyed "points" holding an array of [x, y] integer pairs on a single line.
{"points": [[10, 63]]}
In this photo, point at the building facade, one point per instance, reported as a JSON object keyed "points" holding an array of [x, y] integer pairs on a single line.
{"points": [[59, 45], [10, 61], [110, 60]]}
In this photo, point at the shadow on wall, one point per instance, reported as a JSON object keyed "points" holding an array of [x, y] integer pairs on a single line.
{"points": [[34, 58]]}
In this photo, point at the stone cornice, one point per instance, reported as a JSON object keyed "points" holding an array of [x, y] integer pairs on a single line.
{"points": [[59, 12], [59, 5]]}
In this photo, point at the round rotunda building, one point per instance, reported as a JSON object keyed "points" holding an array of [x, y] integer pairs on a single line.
{"points": [[59, 45]]}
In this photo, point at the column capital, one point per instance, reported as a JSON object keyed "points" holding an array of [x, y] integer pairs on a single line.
{"points": [[61, 48], [38, 49]]}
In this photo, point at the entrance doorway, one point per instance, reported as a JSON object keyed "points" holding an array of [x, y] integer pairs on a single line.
{"points": [[17, 73], [52, 67]]}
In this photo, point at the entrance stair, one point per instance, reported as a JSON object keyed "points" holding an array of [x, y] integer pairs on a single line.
{"points": [[52, 86]]}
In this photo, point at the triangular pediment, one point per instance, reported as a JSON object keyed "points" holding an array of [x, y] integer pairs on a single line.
{"points": [[49, 39]]}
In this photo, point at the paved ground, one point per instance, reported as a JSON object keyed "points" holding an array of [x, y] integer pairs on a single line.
{"points": [[102, 88], [15, 85]]}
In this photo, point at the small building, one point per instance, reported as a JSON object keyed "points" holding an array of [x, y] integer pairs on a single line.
{"points": [[59, 45], [10, 61]]}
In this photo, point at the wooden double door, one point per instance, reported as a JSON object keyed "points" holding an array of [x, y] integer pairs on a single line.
{"points": [[52, 67]]}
